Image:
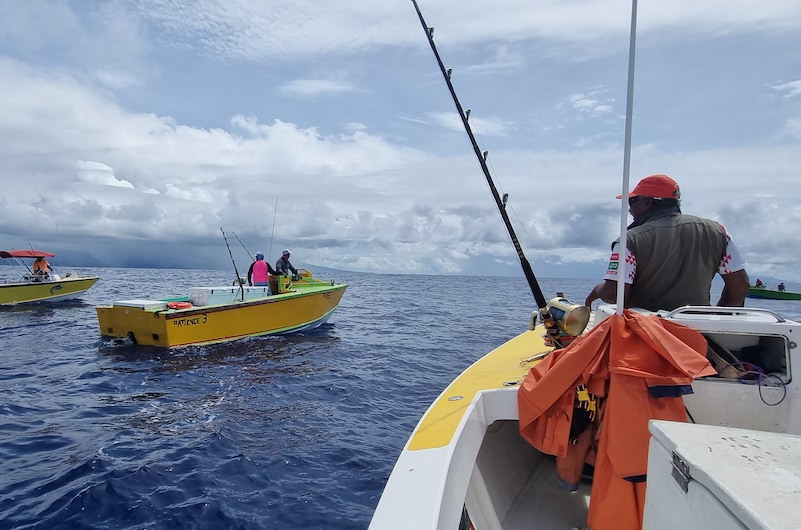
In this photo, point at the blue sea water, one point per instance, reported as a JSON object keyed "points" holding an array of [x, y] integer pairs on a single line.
{"points": [[296, 431]]}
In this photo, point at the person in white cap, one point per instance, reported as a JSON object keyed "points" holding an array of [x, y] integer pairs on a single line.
{"points": [[282, 266], [672, 257]]}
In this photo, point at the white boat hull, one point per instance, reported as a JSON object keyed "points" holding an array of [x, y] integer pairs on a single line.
{"points": [[466, 451]]}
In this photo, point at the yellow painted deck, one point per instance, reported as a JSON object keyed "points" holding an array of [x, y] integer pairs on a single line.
{"points": [[505, 364]]}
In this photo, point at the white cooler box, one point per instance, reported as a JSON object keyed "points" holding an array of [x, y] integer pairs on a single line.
{"points": [[703, 477], [201, 296], [147, 305]]}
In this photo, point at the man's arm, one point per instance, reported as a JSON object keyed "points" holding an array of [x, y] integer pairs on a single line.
{"points": [[735, 289], [606, 291], [250, 274]]}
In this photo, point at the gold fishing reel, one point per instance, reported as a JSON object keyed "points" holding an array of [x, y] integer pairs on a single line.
{"points": [[570, 318]]}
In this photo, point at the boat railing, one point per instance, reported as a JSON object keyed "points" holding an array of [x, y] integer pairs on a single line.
{"points": [[35, 278], [722, 311]]}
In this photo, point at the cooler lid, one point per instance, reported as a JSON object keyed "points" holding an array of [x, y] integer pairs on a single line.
{"points": [[755, 474], [147, 305]]}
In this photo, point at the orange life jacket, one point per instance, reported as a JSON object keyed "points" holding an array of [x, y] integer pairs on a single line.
{"points": [[618, 361]]}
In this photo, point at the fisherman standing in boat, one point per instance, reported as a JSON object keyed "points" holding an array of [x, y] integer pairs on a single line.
{"points": [[282, 266], [672, 257], [260, 271]]}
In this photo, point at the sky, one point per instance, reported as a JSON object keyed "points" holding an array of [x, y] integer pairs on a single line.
{"points": [[133, 131]]}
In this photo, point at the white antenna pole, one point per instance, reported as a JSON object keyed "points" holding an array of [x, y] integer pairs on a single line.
{"points": [[624, 203], [272, 233]]}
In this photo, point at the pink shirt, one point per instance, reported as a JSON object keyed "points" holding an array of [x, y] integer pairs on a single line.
{"points": [[260, 274]]}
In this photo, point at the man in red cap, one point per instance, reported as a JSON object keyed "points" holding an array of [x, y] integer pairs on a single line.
{"points": [[672, 257]]}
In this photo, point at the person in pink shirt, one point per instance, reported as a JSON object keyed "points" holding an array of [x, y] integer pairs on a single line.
{"points": [[261, 275]]}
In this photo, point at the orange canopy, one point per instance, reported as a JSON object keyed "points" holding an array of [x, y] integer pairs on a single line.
{"points": [[621, 361], [26, 254]]}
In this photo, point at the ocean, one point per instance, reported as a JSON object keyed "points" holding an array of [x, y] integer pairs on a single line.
{"points": [[298, 431]]}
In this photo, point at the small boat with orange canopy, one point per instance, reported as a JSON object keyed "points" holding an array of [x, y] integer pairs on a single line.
{"points": [[34, 284]]}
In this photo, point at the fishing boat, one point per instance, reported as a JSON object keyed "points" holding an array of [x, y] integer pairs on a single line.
{"points": [[218, 314], [559, 427], [466, 459], [32, 287], [760, 291]]}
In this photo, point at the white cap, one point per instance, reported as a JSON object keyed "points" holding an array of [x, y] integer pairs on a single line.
{"points": [[285, 252]]}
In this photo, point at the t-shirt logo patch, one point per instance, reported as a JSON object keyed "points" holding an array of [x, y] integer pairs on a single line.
{"points": [[613, 262]]}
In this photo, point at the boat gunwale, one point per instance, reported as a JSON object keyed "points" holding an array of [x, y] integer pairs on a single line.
{"points": [[171, 313], [8, 290], [48, 281]]}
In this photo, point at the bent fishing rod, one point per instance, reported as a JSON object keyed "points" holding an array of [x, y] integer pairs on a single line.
{"points": [[270, 269], [545, 314], [243, 246]]}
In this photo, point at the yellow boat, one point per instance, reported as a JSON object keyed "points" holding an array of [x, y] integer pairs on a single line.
{"points": [[44, 287], [219, 314]]}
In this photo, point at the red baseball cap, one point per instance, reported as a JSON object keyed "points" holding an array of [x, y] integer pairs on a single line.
{"points": [[656, 186]]}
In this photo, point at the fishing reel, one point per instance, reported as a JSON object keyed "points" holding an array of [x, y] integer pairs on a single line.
{"points": [[570, 319]]}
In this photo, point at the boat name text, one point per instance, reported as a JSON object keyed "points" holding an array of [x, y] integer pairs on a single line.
{"points": [[195, 321]]}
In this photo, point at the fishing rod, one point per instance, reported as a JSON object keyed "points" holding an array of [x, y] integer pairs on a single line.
{"points": [[19, 262], [243, 246], [270, 269], [545, 314], [29, 269], [241, 289], [50, 266]]}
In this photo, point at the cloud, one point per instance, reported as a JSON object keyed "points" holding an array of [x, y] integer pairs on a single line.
{"points": [[196, 194], [273, 30], [98, 173], [789, 89], [316, 87], [588, 104], [483, 126], [152, 123], [504, 61], [197, 177]]}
